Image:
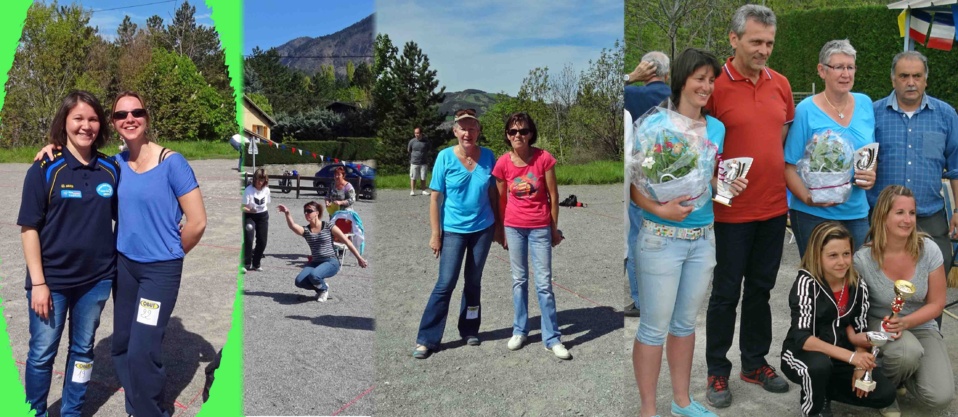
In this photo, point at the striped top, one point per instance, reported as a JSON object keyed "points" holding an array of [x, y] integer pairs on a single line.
{"points": [[320, 244]]}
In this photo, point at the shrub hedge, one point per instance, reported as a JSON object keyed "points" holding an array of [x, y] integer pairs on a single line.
{"points": [[351, 149], [873, 31]]}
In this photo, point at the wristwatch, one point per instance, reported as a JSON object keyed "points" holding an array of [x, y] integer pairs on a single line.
{"points": [[625, 77]]}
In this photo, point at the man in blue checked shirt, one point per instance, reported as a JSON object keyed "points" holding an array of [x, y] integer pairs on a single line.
{"points": [[918, 146]]}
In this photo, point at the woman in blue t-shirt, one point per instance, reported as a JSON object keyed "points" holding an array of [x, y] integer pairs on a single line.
{"points": [[462, 218], [66, 219], [157, 190], [847, 114], [675, 252]]}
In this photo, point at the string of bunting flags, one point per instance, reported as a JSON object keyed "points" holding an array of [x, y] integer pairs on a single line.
{"points": [[301, 151]]}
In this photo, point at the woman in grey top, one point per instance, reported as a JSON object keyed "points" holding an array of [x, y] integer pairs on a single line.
{"points": [[917, 357]]}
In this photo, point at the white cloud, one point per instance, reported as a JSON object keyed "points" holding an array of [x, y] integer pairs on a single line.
{"points": [[492, 45]]}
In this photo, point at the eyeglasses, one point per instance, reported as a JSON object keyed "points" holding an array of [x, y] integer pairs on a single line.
{"points": [[523, 132], [121, 115], [471, 112], [840, 69], [309, 211]]}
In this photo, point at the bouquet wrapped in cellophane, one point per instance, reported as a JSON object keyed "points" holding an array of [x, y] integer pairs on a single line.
{"points": [[672, 157], [827, 167]]}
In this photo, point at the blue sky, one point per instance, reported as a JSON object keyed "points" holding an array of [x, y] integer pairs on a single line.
{"points": [[269, 23], [139, 11], [492, 44]]}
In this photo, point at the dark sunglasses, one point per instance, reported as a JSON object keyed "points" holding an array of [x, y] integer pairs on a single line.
{"points": [[309, 211], [523, 132], [121, 115], [471, 112]]}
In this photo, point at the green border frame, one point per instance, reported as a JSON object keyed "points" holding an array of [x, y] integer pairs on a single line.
{"points": [[226, 396]]}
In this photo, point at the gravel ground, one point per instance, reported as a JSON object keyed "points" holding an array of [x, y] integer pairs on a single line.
{"points": [[489, 379], [200, 321], [750, 399], [302, 357]]}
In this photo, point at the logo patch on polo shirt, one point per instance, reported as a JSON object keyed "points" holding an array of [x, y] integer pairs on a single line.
{"points": [[149, 312], [82, 371], [71, 194], [105, 190]]}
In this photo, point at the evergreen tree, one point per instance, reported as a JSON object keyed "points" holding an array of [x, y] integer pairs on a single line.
{"points": [[405, 96]]}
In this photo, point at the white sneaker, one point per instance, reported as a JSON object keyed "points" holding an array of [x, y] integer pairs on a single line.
{"points": [[891, 411], [425, 192], [561, 352], [516, 342], [322, 296], [412, 193]]}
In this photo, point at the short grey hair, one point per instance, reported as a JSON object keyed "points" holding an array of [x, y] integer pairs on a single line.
{"points": [[660, 61], [839, 46], [909, 55], [760, 14]]}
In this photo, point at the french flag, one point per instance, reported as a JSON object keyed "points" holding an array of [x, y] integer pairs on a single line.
{"points": [[942, 31], [918, 28]]}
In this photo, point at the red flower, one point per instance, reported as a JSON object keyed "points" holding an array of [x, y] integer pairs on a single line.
{"points": [[657, 148], [668, 145]]}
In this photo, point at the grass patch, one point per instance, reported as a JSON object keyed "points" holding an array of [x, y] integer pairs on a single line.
{"points": [[592, 173], [190, 150]]}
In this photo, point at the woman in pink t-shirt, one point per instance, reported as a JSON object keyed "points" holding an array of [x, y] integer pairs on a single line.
{"points": [[528, 198]]}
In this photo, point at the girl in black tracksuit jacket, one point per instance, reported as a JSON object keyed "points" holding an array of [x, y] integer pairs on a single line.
{"points": [[825, 349]]}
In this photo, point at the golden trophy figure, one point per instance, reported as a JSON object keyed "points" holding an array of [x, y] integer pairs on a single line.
{"points": [[877, 340], [903, 290]]}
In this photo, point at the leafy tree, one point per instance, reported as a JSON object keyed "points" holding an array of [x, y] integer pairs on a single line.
{"points": [[126, 32], [281, 85], [183, 106], [315, 124], [600, 102], [260, 101], [405, 96], [52, 57]]}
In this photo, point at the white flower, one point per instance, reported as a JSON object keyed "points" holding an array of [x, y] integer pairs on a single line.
{"points": [[648, 162]]}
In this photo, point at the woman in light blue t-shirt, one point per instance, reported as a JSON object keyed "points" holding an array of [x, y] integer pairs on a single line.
{"points": [[462, 218], [847, 114]]}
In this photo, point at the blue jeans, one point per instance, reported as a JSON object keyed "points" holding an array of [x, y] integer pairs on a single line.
{"points": [[313, 276], [85, 303], [538, 243], [456, 248], [635, 224], [803, 224], [674, 276]]}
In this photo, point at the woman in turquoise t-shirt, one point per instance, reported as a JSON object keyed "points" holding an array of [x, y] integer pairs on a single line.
{"points": [[675, 253], [463, 222], [851, 116]]}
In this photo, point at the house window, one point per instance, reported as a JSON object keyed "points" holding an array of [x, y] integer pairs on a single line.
{"points": [[260, 130]]}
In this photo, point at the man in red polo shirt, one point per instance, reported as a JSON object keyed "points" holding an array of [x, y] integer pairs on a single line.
{"points": [[755, 104]]}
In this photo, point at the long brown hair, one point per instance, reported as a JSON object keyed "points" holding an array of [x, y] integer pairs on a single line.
{"points": [[878, 238], [821, 235]]}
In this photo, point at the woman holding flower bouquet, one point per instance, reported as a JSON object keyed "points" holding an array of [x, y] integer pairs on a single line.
{"points": [[828, 128], [675, 250]]}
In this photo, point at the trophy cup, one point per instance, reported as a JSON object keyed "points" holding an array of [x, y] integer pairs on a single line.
{"points": [[866, 157], [732, 169], [903, 290], [877, 340]]}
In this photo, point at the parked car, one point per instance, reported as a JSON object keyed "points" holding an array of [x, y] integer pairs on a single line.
{"points": [[363, 179]]}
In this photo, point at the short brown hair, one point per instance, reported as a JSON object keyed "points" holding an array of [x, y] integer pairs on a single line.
{"points": [[519, 118], [58, 129]]}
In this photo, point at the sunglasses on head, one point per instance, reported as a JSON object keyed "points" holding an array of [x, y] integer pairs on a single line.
{"points": [[523, 132], [121, 115], [471, 112], [309, 211]]}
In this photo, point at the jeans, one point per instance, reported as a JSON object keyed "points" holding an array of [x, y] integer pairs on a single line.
{"points": [[456, 248], [538, 243], [85, 303], [252, 255], [145, 297], [635, 223], [314, 274], [803, 224], [748, 254], [673, 276]]}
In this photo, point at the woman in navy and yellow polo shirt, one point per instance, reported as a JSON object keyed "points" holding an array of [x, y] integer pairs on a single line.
{"points": [[66, 219]]}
